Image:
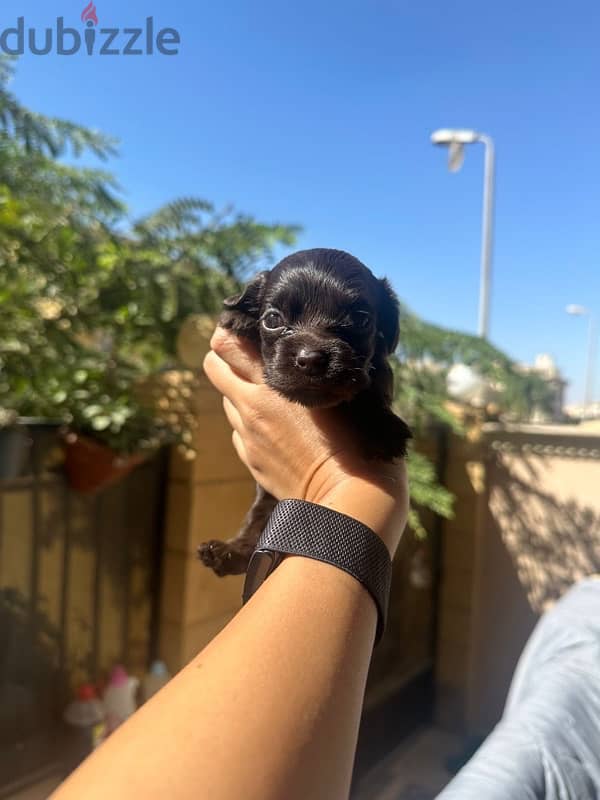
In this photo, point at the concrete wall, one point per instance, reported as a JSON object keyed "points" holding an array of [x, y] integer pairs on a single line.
{"points": [[207, 499], [527, 527]]}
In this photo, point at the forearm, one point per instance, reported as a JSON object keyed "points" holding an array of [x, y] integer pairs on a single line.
{"points": [[270, 709]]}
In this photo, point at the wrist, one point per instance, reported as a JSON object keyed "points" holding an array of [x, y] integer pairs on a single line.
{"points": [[379, 501], [306, 529], [309, 571]]}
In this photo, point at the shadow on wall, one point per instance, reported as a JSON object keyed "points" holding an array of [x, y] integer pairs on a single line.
{"points": [[540, 534], [29, 675], [552, 542]]}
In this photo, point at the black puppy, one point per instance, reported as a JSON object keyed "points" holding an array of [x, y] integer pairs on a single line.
{"points": [[325, 327]]}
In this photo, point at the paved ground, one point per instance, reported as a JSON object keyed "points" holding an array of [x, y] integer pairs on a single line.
{"points": [[415, 770]]}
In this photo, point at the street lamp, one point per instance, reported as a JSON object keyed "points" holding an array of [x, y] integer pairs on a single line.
{"points": [[582, 311], [455, 141]]}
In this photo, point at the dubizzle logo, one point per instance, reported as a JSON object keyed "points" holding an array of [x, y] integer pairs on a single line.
{"points": [[97, 41], [90, 18]]}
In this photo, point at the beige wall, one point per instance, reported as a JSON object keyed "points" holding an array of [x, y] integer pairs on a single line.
{"points": [[524, 533], [207, 499]]}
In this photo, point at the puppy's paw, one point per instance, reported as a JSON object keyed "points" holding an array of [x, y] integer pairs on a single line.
{"points": [[222, 558], [215, 555]]}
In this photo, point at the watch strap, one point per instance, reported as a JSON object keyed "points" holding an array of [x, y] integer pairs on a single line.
{"points": [[297, 527]]}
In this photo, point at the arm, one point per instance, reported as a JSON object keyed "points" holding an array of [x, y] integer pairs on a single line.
{"points": [[271, 707]]}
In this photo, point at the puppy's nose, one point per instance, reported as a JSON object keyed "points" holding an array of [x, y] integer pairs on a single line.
{"points": [[312, 362]]}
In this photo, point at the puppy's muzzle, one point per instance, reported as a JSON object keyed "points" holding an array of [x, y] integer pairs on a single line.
{"points": [[312, 362]]}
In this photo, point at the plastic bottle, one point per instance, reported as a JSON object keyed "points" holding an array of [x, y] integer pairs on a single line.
{"points": [[156, 677], [119, 697], [85, 715]]}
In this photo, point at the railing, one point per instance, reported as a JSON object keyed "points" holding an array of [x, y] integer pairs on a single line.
{"points": [[79, 583]]}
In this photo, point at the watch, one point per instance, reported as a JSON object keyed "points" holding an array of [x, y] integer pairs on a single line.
{"points": [[297, 527]]}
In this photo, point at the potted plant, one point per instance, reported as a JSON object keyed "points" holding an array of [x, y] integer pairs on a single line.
{"points": [[116, 416], [91, 465], [108, 436], [119, 413]]}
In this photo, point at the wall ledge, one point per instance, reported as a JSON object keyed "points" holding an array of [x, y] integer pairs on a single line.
{"points": [[565, 441]]}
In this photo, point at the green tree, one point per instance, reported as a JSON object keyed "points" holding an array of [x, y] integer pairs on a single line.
{"points": [[91, 302]]}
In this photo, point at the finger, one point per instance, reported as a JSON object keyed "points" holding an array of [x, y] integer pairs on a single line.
{"points": [[224, 379], [239, 353], [233, 415]]}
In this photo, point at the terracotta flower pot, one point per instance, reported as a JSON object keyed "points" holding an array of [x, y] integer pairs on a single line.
{"points": [[91, 466]]}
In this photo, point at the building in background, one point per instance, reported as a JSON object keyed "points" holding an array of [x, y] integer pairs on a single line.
{"points": [[545, 367], [588, 415]]}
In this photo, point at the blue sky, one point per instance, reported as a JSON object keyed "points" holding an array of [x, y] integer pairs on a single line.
{"points": [[320, 114]]}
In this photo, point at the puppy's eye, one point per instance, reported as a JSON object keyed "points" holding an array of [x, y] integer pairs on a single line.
{"points": [[361, 319], [273, 320]]}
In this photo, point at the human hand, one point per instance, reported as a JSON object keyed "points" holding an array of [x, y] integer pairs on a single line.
{"points": [[297, 452]]}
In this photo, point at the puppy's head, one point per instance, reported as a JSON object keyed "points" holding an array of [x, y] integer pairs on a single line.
{"points": [[325, 325]]}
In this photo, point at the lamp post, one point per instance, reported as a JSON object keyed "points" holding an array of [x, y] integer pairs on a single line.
{"points": [[582, 311], [455, 141]]}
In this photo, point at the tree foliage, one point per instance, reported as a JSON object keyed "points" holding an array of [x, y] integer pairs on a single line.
{"points": [[90, 301]]}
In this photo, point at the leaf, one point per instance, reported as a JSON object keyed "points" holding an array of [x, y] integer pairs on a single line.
{"points": [[92, 411]]}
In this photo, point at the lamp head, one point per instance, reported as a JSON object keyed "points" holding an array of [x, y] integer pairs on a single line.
{"points": [[448, 136]]}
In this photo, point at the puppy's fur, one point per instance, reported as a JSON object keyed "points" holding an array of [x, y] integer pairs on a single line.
{"points": [[325, 327]]}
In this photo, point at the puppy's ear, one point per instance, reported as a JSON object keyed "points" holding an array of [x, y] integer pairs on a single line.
{"points": [[388, 315], [241, 311], [249, 300]]}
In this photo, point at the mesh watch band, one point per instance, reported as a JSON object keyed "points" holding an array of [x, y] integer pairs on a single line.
{"points": [[297, 527]]}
